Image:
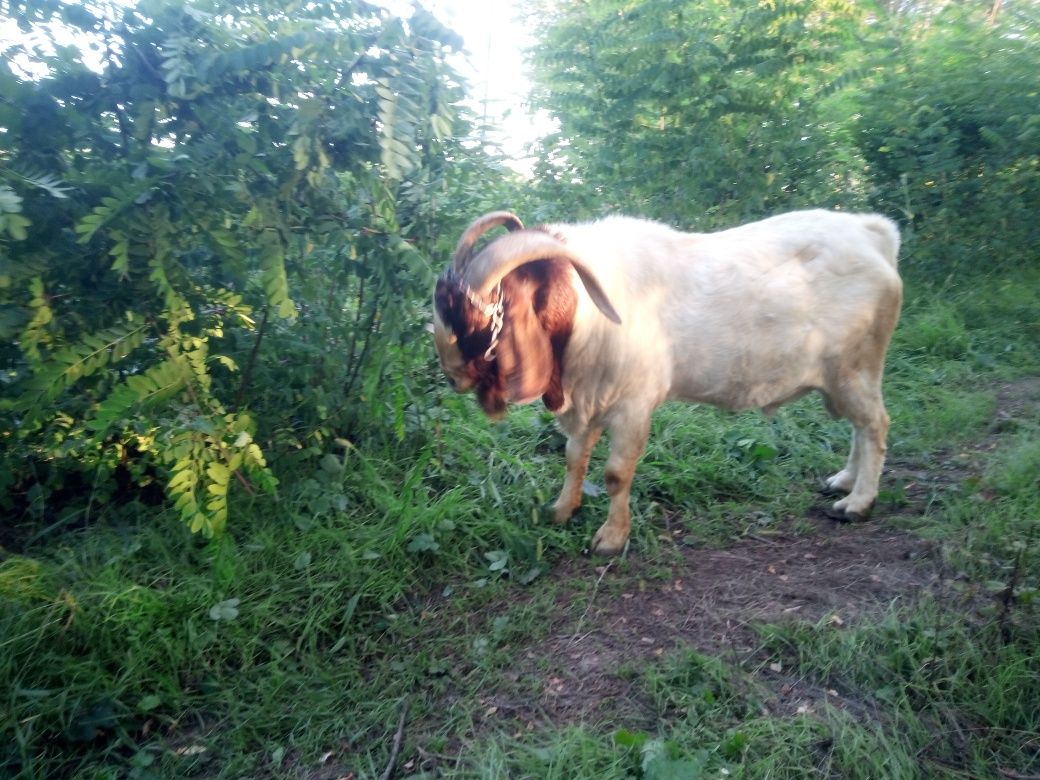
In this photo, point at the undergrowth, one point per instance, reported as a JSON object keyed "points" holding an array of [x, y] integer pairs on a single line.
{"points": [[418, 571]]}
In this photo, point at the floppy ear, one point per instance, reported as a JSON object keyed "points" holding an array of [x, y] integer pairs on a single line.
{"points": [[491, 399], [524, 352]]}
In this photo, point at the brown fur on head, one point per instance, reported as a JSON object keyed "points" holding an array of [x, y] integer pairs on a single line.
{"points": [[539, 302]]}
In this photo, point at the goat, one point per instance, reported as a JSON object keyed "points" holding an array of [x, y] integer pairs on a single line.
{"points": [[607, 320]]}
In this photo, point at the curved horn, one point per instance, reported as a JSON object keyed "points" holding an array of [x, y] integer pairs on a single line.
{"points": [[480, 226], [504, 255]]}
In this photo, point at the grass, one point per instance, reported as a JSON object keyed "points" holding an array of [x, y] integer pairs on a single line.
{"points": [[424, 573]]}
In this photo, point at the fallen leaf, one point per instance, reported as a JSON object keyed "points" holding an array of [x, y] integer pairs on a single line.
{"points": [[834, 620], [776, 667]]}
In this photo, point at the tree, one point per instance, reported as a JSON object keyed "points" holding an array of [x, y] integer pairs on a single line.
{"points": [[157, 215], [952, 133], [698, 113]]}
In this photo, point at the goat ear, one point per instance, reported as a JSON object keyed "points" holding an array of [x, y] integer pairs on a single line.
{"points": [[599, 297], [525, 357]]}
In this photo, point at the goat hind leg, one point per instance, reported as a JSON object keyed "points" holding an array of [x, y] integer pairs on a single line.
{"points": [[844, 480], [868, 416]]}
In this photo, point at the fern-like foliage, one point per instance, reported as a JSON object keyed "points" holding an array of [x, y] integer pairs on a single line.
{"points": [[48, 182], [273, 276], [110, 207], [204, 463], [225, 163], [139, 393], [66, 365]]}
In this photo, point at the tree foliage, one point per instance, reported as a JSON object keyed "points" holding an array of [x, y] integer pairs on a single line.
{"points": [[706, 114], [951, 132], [699, 112], [211, 247]]}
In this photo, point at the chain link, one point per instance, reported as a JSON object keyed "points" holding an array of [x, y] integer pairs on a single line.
{"points": [[495, 311], [497, 318]]}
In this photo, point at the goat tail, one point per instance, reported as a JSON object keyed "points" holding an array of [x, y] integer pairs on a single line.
{"points": [[885, 234]]}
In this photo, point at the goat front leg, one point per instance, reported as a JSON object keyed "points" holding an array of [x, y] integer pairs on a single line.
{"points": [[579, 449], [628, 435]]}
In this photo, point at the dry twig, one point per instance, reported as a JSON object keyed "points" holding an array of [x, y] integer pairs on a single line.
{"points": [[592, 599], [1013, 775], [398, 737]]}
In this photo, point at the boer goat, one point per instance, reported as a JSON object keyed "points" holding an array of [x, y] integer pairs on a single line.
{"points": [[607, 320]]}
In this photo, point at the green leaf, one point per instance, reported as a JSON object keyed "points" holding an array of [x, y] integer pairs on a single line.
{"points": [[148, 703], [630, 739], [16, 225], [497, 560], [423, 543], [224, 610], [659, 763], [10, 202]]}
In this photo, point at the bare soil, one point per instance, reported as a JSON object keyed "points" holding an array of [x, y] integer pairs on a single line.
{"points": [[584, 670]]}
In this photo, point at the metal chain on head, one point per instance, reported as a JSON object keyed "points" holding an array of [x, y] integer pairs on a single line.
{"points": [[497, 318], [495, 311]]}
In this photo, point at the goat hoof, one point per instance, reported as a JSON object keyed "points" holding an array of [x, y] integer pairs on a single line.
{"points": [[830, 492], [559, 515], [604, 544], [602, 550], [839, 515], [845, 517]]}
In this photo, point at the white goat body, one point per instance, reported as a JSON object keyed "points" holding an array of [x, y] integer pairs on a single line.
{"points": [[745, 318]]}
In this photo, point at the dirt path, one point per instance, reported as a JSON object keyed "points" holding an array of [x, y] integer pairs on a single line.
{"points": [[839, 573], [613, 618]]}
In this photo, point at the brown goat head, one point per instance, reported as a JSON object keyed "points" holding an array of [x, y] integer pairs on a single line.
{"points": [[538, 304]]}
